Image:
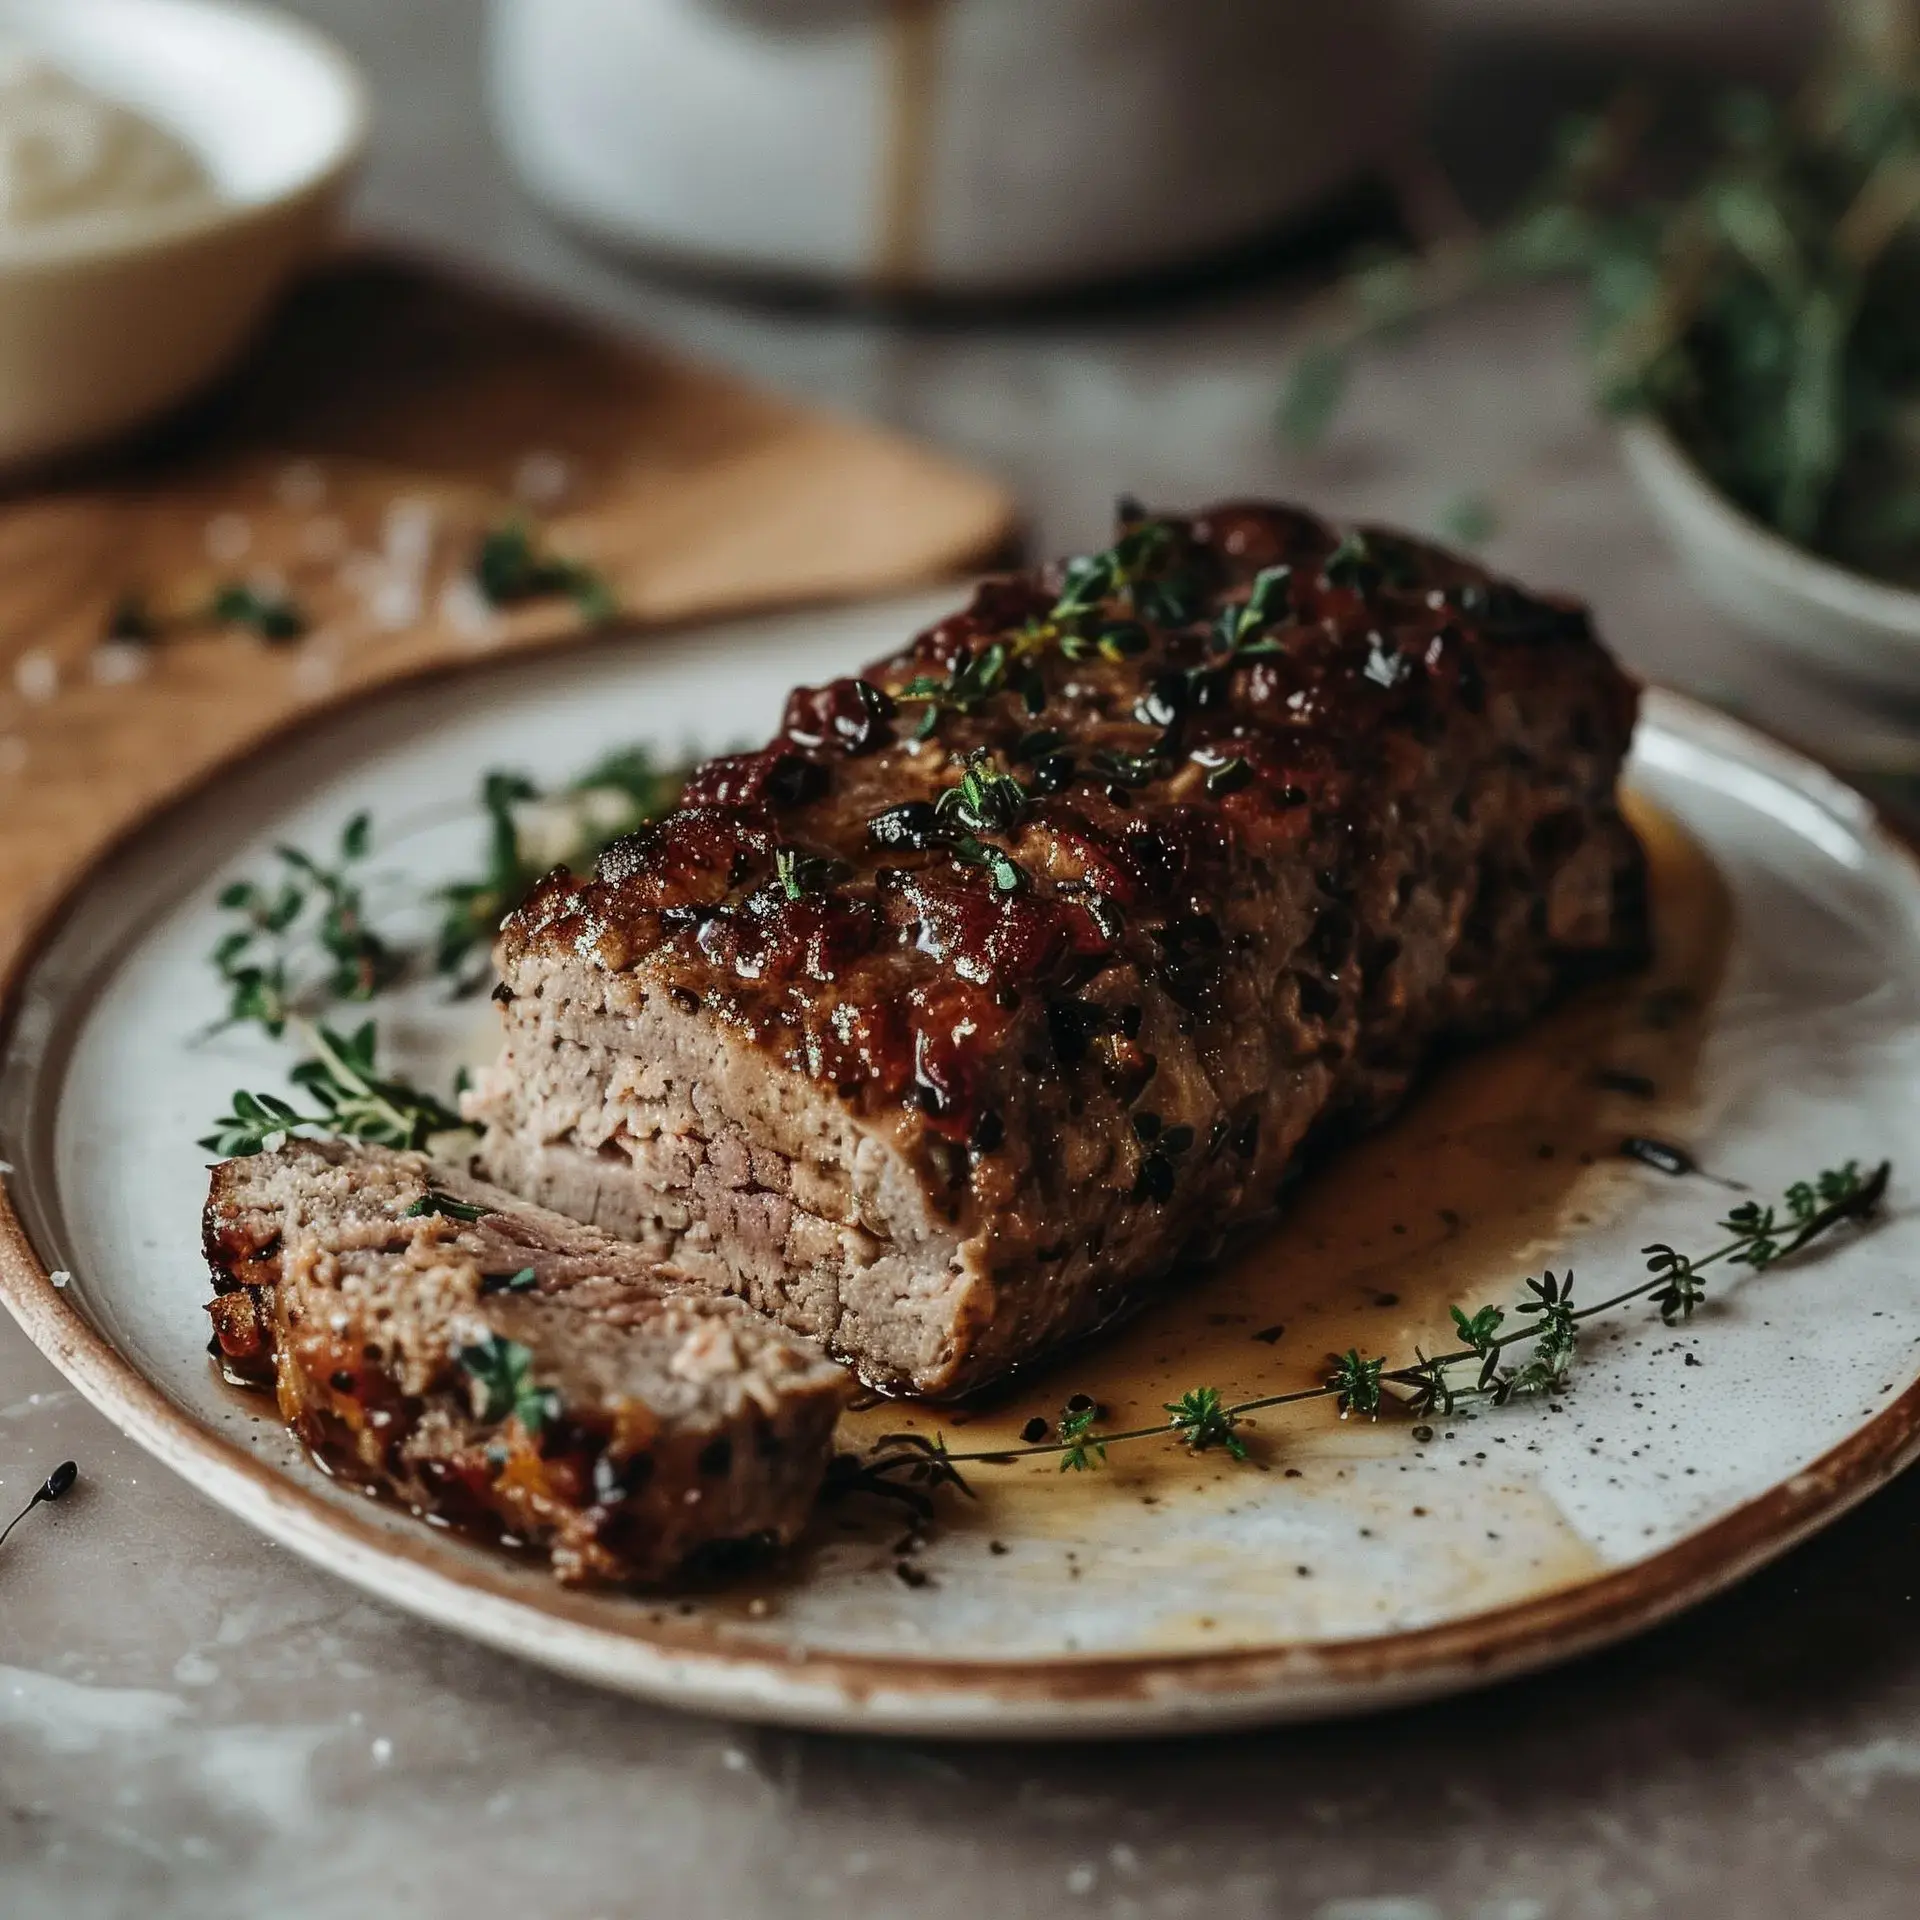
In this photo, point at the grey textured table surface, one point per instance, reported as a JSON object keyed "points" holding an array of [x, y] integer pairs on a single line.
{"points": [[194, 1724]]}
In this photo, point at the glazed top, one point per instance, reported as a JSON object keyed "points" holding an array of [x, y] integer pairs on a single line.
{"points": [[1070, 774]]}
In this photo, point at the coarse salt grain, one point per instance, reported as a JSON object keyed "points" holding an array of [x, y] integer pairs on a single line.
{"points": [[59, 1276], [229, 537], [407, 531], [115, 663], [542, 478], [465, 609], [36, 674], [395, 603]]}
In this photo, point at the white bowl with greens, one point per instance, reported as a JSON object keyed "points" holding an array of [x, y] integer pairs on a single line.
{"points": [[1758, 323], [1823, 614]]}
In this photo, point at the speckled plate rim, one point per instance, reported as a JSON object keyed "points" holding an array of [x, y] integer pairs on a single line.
{"points": [[440, 1579]]}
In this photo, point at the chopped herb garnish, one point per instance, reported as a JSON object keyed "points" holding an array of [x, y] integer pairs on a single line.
{"points": [[522, 1281], [799, 874], [1006, 873], [986, 799], [1350, 564], [530, 832], [313, 902], [1080, 1448], [433, 1202], [971, 681], [1229, 777], [351, 1100], [512, 567], [1240, 633], [503, 1371], [268, 611]]}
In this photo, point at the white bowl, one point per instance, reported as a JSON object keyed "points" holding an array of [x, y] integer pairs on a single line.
{"points": [[109, 321], [974, 147], [1823, 615]]}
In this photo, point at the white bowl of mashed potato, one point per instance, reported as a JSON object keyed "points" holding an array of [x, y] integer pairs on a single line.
{"points": [[165, 167]]}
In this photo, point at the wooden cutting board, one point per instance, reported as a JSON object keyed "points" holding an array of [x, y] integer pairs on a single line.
{"points": [[393, 416]]}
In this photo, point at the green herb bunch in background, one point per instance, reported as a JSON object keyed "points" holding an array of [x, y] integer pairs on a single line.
{"points": [[1768, 312]]}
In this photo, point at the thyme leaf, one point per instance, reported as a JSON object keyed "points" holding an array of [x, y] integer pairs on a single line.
{"points": [[269, 611], [511, 566], [311, 905], [798, 874], [1201, 1420], [445, 1206], [349, 1099], [502, 1374], [1080, 1448], [986, 800]]}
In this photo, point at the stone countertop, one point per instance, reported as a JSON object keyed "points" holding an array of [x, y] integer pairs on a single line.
{"points": [[194, 1725]]}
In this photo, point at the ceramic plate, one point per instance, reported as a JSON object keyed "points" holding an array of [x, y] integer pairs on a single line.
{"points": [[1347, 1564]]}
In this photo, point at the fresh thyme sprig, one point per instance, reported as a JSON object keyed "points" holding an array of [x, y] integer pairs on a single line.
{"points": [[530, 832], [351, 1099], [985, 800], [313, 901], [1759, 1237], [970, 683], [904, 1467], [1140, 571], [1240, 633]]}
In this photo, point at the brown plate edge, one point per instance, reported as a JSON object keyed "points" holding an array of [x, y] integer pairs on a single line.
{"points": [[704, 1669]]}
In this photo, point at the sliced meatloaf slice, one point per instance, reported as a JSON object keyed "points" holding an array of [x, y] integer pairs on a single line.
{"points": [[1011, 975], [502, 1367]]}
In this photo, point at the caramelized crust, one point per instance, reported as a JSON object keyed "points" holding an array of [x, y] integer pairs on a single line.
{"points": [[943, 1086]]}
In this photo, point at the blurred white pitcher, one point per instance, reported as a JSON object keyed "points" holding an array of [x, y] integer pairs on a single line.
{"points": [[960, 146]]}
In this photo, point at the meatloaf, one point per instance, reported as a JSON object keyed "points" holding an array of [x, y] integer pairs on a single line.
{"points": [[501, 1367], [1012, 974]]}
